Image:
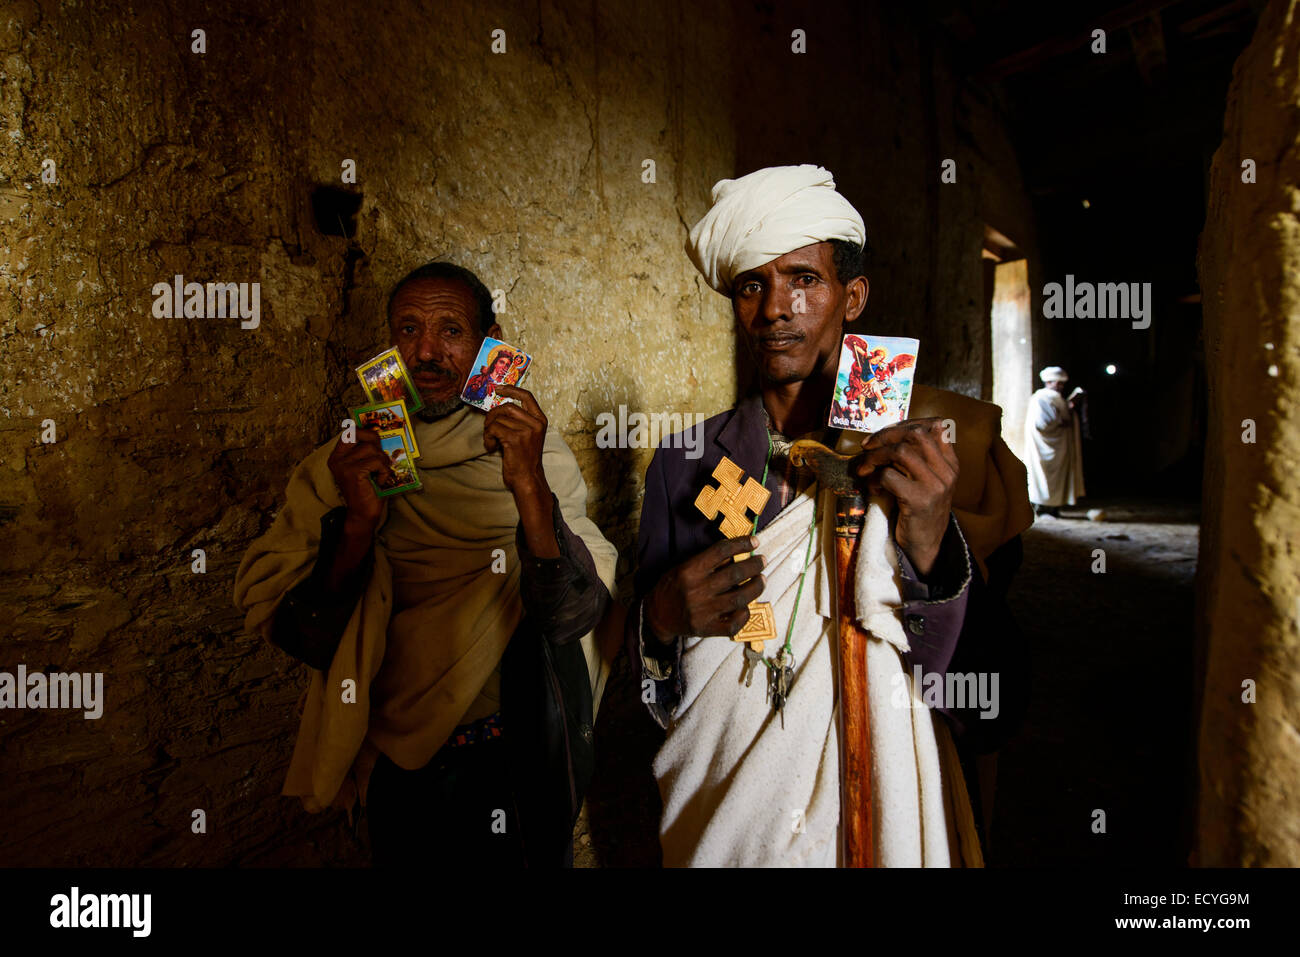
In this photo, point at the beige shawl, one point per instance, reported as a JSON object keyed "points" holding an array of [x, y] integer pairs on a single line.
{"points": [[434, 620]]}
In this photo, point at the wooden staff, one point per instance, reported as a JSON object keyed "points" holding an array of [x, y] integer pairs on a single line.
{"points": [[833, 473]]}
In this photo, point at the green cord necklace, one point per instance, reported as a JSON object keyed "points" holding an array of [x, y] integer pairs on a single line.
{"points": [[781, 668]]}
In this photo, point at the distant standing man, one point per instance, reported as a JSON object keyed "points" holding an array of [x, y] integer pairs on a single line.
{"points": [[1053, 446]]}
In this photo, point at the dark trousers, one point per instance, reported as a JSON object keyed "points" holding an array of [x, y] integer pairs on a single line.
{"points": [[457, 810]]}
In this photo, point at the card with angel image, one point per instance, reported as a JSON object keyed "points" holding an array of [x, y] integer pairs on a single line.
{"points": [[873, 388]]}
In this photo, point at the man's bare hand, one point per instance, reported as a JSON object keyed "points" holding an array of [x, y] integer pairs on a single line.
{"points": [[704, 595], [518, 432], [352, 464], [912, 462]]}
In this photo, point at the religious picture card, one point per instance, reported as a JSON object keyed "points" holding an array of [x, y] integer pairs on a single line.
{"points": [[386, 416], [405, 478], [874, 386], [496, 364], [386, 379]]}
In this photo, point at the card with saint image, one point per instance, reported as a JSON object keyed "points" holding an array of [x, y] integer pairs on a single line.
{"points": [[386, 416], [873, 388], [405, 477], [496, 364], [385, 378]]}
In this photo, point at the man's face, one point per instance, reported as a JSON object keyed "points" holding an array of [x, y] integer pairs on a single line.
{"points": [[793, 337], [433, 324]]}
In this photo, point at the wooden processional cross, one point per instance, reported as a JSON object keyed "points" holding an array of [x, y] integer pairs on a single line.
{"points": [[734, 501]]}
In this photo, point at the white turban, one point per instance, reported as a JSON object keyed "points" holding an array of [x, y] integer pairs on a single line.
{"points": [[765, 215], [1053, 374]]}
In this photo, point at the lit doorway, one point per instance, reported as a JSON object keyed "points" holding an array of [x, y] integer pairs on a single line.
{"points": [[1011, 337]]}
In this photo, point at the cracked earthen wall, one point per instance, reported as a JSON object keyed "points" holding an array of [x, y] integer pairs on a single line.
{"points": [[1249, 567], [180, 434]]}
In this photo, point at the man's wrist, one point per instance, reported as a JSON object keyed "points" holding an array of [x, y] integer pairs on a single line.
{"points": [[357, 530], [652, 632], [533, 495], [949, 573], [923, 560], [349, 549], [656, 647], [537, 510]]}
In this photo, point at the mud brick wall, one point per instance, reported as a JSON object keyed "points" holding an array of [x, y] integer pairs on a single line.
{"points": [[1249, 567]]}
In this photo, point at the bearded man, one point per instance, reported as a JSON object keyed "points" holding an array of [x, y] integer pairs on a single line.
{"points": [[451, 627], [743, 782]]}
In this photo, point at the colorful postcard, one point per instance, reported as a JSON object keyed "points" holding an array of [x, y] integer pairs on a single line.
{"points": [[386, 416], [405, 477], [874, 386], [386, 379], [496, 364]]}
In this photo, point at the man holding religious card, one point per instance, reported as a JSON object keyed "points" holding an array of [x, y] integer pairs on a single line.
{"points": [[451, 625], [749, 771]]}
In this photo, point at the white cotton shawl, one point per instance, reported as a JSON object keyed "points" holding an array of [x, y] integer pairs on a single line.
{"points": [[739, 790], [770, 212]]}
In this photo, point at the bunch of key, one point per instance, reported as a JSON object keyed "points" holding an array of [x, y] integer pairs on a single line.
{"points": [[780, 671]]}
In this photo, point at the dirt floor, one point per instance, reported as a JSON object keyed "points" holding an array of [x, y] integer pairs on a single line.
{"points": [[1110, 721]]}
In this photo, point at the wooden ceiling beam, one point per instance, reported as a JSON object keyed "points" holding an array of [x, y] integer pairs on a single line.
{"points": [[1070, 41]]}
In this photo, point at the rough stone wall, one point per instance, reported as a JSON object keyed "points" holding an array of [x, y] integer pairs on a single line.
{"points": [[180, 434], [527, 166], [1249, 567], [877, 101]]}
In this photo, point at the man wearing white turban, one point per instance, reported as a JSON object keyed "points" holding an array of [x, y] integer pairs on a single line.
{"points": [[1053, 445], [740, 783]]}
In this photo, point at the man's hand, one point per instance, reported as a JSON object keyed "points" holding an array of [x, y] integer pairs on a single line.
{"points": [[352, 464], [518, 432], [704, 595], [913, 463]]}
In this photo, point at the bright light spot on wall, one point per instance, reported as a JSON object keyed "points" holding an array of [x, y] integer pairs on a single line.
{"points": [[1111, 370]]}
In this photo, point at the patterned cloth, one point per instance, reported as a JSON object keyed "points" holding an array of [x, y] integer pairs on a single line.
{"points": [[790, 479], [483, 729]]}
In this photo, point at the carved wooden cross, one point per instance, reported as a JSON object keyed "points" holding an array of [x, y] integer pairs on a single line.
{"points": [[734, 502]]}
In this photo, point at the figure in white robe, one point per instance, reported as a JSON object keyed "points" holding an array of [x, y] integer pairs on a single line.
{"points": [[1053, 444]]}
